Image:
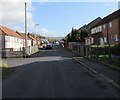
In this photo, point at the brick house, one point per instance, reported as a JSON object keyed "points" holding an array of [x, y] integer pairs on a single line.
{"points": [[89, 39], [96, 33], [108, 30]]}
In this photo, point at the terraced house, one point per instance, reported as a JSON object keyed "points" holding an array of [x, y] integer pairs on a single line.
{"points": [[108, 30]]}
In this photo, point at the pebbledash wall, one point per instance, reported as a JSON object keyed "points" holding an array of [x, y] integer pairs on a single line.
{"points": [[13, 42]]}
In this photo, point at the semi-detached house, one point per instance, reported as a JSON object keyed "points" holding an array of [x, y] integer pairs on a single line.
{"points": [[10, 39], [29, 40], [108, 30]]}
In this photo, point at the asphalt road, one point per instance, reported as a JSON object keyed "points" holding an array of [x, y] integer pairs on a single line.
{"points": [[53, 74]]}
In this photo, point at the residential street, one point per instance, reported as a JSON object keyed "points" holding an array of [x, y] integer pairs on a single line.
{"points": [[53, 74]]}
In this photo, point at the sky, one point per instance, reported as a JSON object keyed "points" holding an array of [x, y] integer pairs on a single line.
{"points": [[53, 19]]}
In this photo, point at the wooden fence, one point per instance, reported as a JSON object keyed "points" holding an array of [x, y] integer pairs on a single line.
{"points": [[95, 50]]}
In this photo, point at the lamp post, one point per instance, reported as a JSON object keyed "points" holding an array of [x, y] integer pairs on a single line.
{"points": [[118, 22], [36, 32], [35, 27]]}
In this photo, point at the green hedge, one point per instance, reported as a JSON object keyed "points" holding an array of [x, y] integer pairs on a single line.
{"points": [[105, 50]]}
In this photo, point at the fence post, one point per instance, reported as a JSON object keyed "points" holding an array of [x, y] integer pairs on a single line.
{"points": [[97, 51], [109, 52], [84, 50]]}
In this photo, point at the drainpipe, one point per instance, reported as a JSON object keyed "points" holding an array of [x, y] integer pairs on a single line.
{"points": [[108, 41]]}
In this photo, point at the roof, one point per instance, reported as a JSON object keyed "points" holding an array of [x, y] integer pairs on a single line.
{"points": [[113, 15], [1, 32], [9, 32], [83, 27], [94, 21], [33, 38], [39, 39], [108, 18], [21, 34]]}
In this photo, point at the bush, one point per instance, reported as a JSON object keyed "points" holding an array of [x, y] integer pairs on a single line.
{"points": [[115, 50]]}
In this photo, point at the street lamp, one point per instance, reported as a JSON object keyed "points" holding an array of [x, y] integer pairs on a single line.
{"points": [[35, 27]]}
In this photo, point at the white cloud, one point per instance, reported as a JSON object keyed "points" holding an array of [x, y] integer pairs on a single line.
{"points": [[24, 1], [108, 4], [13, 13], [46, 32], [59, 0]]}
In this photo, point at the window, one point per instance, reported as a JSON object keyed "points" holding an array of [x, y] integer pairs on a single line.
{"points": [[92, 31], [17, 40], [7, 39], [104, 26], [110, 24], [92, 40], [11, 39], [95, 30], [99, 29], [116, 37], [105, 39], [14, 40]]}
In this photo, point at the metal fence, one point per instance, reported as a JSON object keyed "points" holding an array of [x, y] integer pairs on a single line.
{"points": [[32, 49]]}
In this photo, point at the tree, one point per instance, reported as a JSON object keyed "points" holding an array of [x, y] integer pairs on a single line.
{"points": [[83, 35], [75, 35]]}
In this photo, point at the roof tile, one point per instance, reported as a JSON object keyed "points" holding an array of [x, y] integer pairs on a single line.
{"points": [[8, 31]]}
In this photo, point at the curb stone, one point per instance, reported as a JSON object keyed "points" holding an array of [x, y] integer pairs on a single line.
{"points": [[110, 81], [112, 66]]}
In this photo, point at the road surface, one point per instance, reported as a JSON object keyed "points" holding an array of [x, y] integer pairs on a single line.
{"points": [[53, 74]]}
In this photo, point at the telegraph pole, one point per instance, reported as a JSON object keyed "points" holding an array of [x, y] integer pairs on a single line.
{"points": [[118, 22], [25, 54]]}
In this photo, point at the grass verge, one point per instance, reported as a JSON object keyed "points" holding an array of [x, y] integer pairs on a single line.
{"points": [[112, 61], [5, 71]]}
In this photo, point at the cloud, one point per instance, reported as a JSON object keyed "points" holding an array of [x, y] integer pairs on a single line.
{"points": [[24, 1], [46, 32], [108, 4], [13, 13], [13, 16]]}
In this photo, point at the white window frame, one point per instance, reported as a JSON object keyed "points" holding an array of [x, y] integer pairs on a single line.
{"points": [[110, 24]]}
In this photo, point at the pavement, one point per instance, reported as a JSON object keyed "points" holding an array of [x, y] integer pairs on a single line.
{"points": [[53, 74], [109, 72]]}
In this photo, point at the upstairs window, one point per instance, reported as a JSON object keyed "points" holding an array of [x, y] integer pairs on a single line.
{"points": [[104, 26], [110, 24], [116, 37]]}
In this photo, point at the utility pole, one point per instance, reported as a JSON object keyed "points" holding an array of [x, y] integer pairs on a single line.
{"points": [[25, 54], [118, 22]]}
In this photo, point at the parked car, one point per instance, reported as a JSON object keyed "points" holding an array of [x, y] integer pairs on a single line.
{"points": [[49, 46]]}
